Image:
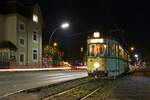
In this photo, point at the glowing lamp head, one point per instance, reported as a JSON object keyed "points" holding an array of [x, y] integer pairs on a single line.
{"points": [[55, 44], [132, 48], [136, 55], [96, 65], [65, 25]]}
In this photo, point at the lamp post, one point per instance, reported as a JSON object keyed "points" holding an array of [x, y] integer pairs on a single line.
{"points": [[63, 26]]}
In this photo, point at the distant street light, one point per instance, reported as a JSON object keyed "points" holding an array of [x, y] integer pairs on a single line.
{"points": [[63, 26], [81, 49], [132, 48], [55, 44], [137, 58], [136, 55]]}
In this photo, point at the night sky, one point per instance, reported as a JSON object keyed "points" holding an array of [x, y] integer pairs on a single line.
{"points": [[85, 16]]}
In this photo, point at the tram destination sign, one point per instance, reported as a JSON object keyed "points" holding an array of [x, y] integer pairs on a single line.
{"points": [[101, 40]]}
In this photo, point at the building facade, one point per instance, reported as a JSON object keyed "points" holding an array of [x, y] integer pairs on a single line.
{"points": [[21, 25]]}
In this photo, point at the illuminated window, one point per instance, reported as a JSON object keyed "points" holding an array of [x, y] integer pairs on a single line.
{"points": [[35, 18], [97, 49], [121, 52]]}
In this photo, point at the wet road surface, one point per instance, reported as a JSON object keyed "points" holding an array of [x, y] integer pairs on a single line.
{"points": [[15, 81]]}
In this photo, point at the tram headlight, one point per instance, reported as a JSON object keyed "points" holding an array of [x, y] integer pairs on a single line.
{"points": [[96, 65]]}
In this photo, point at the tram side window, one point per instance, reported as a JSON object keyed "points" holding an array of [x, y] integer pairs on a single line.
{"points": [[111, 50], [117, 51], [121, 52], [126, 56], [123, 56], [97, 49]]}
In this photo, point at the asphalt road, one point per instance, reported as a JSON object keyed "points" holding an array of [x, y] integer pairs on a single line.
{"points": [[16, 81]]}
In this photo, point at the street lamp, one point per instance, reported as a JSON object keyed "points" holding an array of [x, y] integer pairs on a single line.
{"points": [[55, 44], [81, 49], [63, 26], [136, 55], [132, 48]]}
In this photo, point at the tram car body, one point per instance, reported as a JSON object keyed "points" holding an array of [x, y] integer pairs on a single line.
{"points": [[105, 57]]}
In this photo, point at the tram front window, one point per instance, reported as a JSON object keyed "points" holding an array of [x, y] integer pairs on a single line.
{"points": [[97, 49]]}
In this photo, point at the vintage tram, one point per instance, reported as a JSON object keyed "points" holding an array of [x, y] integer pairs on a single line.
{"points": [[105, 56]]}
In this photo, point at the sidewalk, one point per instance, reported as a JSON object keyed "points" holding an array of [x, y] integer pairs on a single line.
{"points": [[132, 87]]}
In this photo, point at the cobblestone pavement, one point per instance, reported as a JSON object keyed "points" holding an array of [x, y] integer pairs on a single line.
{"points": [[132, 87]]}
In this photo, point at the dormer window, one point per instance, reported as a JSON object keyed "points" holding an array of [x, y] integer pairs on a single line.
{"points": [[35, 18]]}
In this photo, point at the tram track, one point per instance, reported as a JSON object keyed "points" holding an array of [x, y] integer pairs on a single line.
{"points": [[52, 96], [63, 92], [78, 92], [79, 89], [85, 97], [105, 83], [45, 91]]}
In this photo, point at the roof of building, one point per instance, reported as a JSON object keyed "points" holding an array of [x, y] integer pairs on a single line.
{"points": [[7, 44], [23, 7]]}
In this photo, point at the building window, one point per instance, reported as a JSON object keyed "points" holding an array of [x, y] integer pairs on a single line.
{"points": [[35, 18], [22, 42], [5, 56], [35, 36], [12, 54], [21, 58], [22, 27], [35, 54]]}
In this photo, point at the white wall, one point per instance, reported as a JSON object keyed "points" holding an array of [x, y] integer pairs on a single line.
{"points": [[10, 28]]}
